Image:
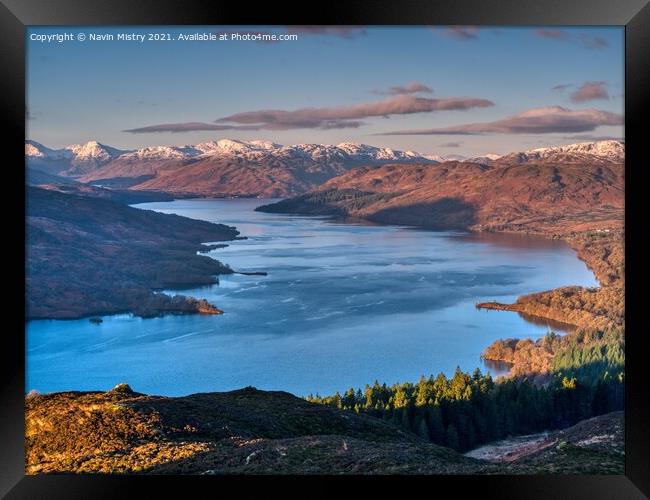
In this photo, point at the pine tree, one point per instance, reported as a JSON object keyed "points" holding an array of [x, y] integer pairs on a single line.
{"points": [[435, 421], [452, 437], [600, 402], [423, 430]]}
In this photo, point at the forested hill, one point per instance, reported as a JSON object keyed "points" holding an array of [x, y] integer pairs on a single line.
{"points": [[92, 256]]}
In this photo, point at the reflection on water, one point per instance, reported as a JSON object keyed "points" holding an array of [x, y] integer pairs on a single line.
{"points": [[496, 368], [550, 324], [513, 240], [343, 304]]}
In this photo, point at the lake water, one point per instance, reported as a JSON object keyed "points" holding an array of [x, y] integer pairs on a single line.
{"points": [[343, 304]]}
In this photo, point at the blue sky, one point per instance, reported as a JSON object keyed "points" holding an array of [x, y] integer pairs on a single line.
{"points": [[97, 90]]}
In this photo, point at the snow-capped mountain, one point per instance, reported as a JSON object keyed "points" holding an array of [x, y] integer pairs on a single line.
{"points": [[34, 149], [229, 167], [79, 159], [162, 153], [608, 150], [486, 158], [73, 160], [443, 158], [614, 150], [93, 151], [254, 149]]}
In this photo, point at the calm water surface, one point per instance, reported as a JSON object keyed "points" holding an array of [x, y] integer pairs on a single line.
{"points": [[343, 304]]}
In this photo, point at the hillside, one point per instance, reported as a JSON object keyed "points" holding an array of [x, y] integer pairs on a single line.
{"points": [[70, 186], [537, 197], [249, 431], [220, 177], [90, 256]]}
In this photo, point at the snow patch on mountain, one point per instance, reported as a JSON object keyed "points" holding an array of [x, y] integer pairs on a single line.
{"points": [[35, 149], [80, 159], [608, 150], [449, 157], [93, 151], [162, 153]]}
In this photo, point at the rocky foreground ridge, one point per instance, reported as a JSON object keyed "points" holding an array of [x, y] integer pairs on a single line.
{"points": [[259, 432]]}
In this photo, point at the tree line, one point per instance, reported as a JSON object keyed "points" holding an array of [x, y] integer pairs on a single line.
{"points": [[467, 410]]}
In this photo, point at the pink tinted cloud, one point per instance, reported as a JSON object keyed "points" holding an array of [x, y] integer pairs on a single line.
{"points": [[590, 91], [591, 137], [584, 39], [317, 117], [338, 117], [547, 120], [562, 87], [411, 88], [176, 128], [185, 127]]}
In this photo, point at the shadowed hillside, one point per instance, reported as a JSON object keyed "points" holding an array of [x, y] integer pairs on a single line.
{"points": [[69, 186], [92, 256], [539, 197]]}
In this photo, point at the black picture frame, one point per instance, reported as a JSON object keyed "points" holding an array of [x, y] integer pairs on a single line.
{"points": [[15, 15]]}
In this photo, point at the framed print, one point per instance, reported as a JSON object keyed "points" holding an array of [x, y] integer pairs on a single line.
{"points": [[378, 243]]}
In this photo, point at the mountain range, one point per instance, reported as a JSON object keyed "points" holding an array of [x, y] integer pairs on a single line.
{"points": [[597, 151], [228, 167], [215, 168], [551, 190]]}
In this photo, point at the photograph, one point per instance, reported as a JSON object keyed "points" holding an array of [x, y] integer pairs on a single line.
{"points": [[325, 250]]}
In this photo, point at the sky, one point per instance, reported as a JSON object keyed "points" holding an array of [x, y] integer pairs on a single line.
{"points": [[436, 90]]}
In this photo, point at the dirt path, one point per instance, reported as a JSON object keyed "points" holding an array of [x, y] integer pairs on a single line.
{"points": [[515, 448]]}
